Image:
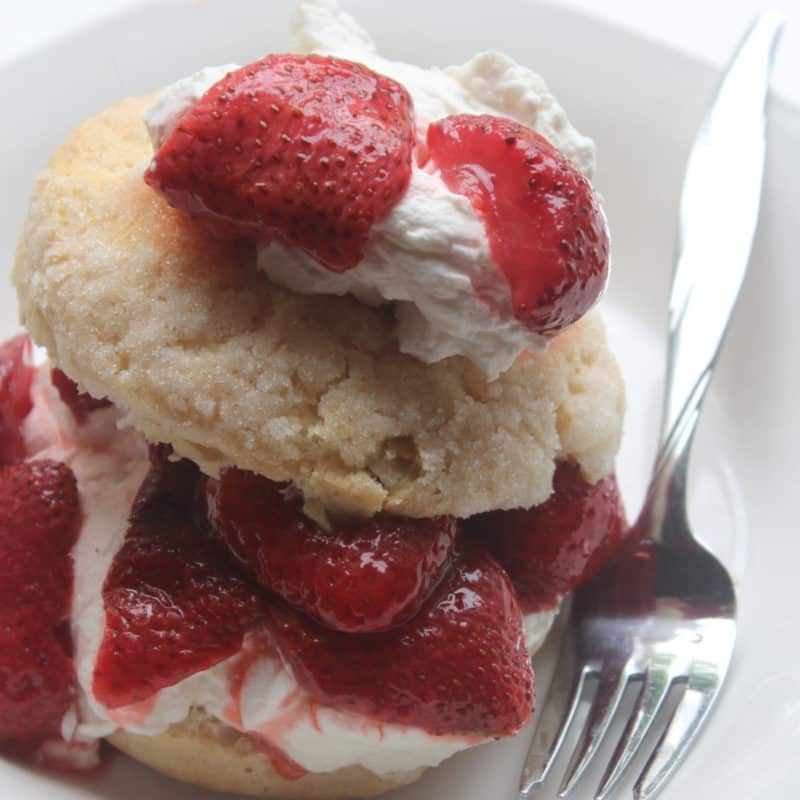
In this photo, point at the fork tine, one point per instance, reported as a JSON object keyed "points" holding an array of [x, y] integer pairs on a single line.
{"points": [[683, 727], [563, 698], [656, 685], [610, 689], [706, 677]]}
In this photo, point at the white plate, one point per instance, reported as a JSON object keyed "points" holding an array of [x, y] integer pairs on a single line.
{"points": [[641, 103]]}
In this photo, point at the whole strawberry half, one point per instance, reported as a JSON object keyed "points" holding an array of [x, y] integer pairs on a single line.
{"points": [[40, 519], [459, 667], [545, 227], [363, 576], [81, 404], [174, 599], [307, 150], [16, 374], [551, 548]]}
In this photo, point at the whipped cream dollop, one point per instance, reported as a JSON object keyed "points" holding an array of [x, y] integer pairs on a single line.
{"points": [[110, 461], [430, 254]]}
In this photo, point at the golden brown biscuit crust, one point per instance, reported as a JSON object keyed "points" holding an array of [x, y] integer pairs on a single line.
{"points": [[136, 302]]}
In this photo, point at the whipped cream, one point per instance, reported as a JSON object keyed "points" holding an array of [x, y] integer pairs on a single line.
{"points": [[430, 254], [174, 101], [537, 626]]}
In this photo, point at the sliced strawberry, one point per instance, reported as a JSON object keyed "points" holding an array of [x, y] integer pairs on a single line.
{"points": [[16, 375], [80, 403], [41, 499], [551, 548], [545, 227], [39, 520], [39, 523], [308, 150], [359, 576], [459, 667], [37, 685], [174, 599]]}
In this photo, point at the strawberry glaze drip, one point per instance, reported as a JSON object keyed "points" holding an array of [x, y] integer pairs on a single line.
{"points": [[288, 770], [256, 646]]}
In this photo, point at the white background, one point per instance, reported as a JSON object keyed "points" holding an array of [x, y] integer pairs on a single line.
{"points": [[706, 28]]}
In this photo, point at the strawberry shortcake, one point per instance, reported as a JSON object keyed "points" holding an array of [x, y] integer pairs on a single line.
{"points": [[321, 424]]}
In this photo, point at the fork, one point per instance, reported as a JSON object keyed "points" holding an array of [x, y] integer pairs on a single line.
{"points": [[662, 615]]}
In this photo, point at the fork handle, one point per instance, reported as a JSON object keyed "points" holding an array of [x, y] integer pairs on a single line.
{"points": [[717, 220]]}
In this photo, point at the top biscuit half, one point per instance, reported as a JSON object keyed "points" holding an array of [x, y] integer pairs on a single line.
{"points": [[137, 303]]}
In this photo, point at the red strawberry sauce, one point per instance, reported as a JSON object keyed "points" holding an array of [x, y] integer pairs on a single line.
{"points": [[255, 647]]}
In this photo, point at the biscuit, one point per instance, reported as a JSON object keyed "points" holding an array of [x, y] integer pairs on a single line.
{"points": [[136, 302], [204, 751]]}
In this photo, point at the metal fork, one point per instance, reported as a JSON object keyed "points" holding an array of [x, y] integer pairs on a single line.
{"points": [[662, 615]]}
